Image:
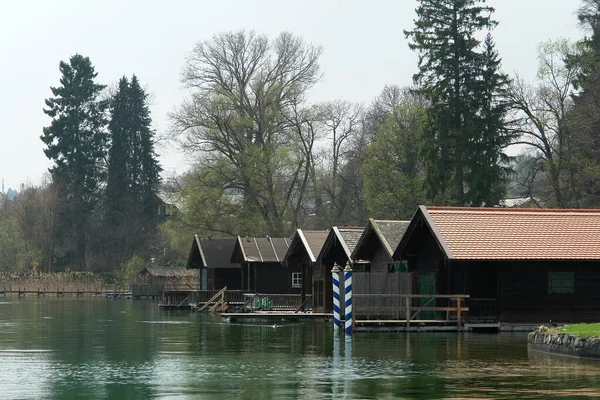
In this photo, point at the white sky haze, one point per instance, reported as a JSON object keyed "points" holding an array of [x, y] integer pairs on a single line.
{"points": [[363, 43]]}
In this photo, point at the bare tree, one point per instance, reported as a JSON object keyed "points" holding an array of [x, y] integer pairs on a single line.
{"points": [[540, 115], [342, 120], [244, 91]]}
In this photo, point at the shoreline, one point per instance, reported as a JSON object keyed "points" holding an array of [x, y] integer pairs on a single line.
{"points": [[565, 344]]}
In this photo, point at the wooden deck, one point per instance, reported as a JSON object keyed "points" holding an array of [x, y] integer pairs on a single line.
{"points": [[409, 312], [277, 315]]}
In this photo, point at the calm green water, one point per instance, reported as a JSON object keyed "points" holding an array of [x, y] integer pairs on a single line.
{"points": [[129, 349]]}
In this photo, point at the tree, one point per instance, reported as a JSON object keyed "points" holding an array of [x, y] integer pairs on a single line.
{"points": [[133, 172], [381, 108], [540, 118], [452, 70], [586, 59], [487, 164], [238, 121], [76, 143], [393, 168], [342, 120], [584, 119]]}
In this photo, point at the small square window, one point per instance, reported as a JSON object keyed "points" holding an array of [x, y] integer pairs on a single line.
{"points": [[561, 283], [296, 279]]}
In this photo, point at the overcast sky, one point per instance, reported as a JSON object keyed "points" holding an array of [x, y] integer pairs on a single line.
{"points": [[363, 49]]}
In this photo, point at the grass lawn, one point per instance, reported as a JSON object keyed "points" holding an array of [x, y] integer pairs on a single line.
{"points": [[582, 329]]}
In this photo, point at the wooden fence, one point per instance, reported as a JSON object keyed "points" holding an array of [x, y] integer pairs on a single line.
{"points": [[371, 294], [43, 292], [273, 302], [193, 298], [413, 308]]}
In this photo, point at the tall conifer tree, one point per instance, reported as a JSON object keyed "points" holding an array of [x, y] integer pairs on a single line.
{"points": [[133, 171], [76, 143], [487, 165], [584, 120], [451, 73]]}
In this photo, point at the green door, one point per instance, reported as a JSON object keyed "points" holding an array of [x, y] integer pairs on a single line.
{"points": [[427, 286]]}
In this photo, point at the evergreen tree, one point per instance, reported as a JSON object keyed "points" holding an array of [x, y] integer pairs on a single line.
{"points": [[587, 59], [584, 118], [487, 165], [76, 143], [133, 171], [451, 72]]}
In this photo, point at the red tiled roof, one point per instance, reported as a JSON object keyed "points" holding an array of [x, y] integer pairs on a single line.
{"points": [[516, 234]]}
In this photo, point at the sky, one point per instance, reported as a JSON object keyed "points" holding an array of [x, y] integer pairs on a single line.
{"points": [[364, 48]]}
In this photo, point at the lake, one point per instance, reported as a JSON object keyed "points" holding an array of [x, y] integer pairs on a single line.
{"points": [[96, 348]]}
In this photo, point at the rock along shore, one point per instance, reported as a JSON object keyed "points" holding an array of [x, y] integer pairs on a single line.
{"points": [[560, 343]]}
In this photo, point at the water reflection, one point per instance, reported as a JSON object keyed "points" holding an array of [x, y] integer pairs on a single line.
{"points": [[97, 348]]}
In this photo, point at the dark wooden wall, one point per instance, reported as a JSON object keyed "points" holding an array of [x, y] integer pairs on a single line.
{"points": [[521, 289], [230, 277]]}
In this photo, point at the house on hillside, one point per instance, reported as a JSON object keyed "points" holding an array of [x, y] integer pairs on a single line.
{"points": [[260, 260], [517, 265], [212, 259], [300, 260], [338, 248], [521, 202], [166, 204]]}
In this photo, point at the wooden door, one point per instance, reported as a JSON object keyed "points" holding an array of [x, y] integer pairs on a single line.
{"points": [[318, 293], [427, 285]]}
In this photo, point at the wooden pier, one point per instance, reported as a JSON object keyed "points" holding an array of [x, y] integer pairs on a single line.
{"points": [[277, 316], [62, 292], [410, 312]]}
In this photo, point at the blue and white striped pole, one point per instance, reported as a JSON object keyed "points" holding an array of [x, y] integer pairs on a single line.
{"points": [[348, 298], [335, 275]]}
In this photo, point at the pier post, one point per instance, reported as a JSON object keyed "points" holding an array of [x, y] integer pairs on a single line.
{"points": [[348, 298], [335, 275]]}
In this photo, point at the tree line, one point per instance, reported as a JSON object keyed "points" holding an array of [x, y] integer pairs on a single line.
{"points": [[97, 208], [268, 161]]}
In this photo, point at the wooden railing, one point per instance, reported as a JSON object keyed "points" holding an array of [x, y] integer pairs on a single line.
{"points": [[198, 297], [217, 300], [409, 308], [265, 302]]}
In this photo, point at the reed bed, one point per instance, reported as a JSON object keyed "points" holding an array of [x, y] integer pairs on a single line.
{"points": [[54, 282]]}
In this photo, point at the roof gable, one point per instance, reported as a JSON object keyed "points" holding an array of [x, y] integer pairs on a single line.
{"points": [[196, 257], [309, 242], [346, 237], [387, 232], [217, 252], [513, 233]]}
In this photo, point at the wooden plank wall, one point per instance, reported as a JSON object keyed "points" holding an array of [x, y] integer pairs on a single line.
{"points": [[380, 283]]}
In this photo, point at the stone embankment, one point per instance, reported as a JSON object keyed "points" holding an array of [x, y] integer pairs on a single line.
{"points": [[561, 343]]}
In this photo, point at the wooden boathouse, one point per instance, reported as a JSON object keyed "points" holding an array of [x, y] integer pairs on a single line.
{"points": [[212, 258], [379, 281], [301, 262], [152, 281], [337, 249], [261, 263], [520, 267]]}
